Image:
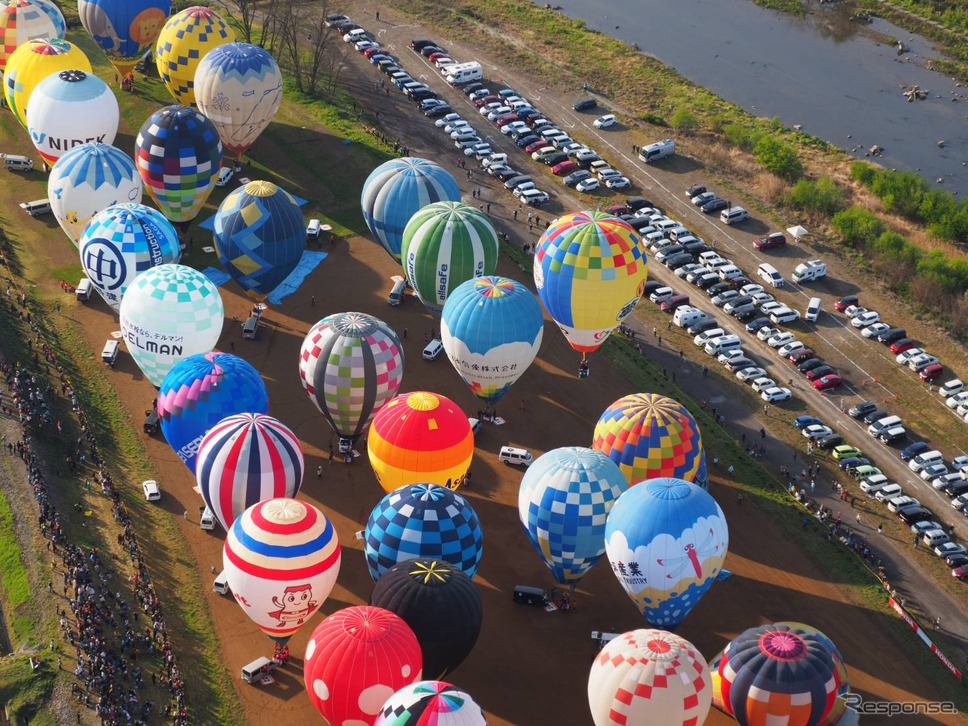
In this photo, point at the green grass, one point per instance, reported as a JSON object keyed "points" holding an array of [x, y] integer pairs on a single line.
{"points": [[14, 582], [25, 691]]}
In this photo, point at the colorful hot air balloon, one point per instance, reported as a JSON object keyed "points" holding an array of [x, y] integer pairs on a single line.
{"points": [[590, 270], [839, 662], [647, 677], [122, 242], [178, 154], [239, 87], [200, 391], [440, 604], [491, 328], [87, 179], [778, 674], [423, 520], [31, 63], [445, 244], [430, 703], [182, 43], [244, 459], [68, 109], [125, 29], [651, 436], [281, 558], [25, 20], [420, 437], [350, 365], [396, 190], [168, 313], [355, 660], [563, 503], [260, 235], [666, 540]]}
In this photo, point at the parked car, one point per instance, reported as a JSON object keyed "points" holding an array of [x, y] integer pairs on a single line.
{"points": [[846, 451], [604, 122], [587, 185], [771, 241], [827, 382], [872, 331], [564, 168], [845, 302], [714, 206], [776, 394], [576, 176]]}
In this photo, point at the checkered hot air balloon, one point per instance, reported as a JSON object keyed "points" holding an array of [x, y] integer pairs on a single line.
{"points": [[563, 503], [34, 61], [281, 559], [423, 520], [651, 436], [355, 660], [244, 459], [260, 236], [182, 44], [647, 677], [431, 703], [25, 20], [396, 190]]}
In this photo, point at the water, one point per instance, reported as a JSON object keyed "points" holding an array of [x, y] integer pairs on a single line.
{"points": [[825, 74]]}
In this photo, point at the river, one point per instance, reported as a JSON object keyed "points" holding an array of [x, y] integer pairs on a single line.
{"points": [[821, 72]]}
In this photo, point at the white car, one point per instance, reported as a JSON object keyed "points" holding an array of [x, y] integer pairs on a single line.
{"points": [[151, 489], [603, 122], [907, 355], [872, 331], [926, 525], [762, 298], [588, 185], [951, 388], [499, 111], [763, 384], [956, 400], [750, 374], [888, 492], [479, 150], [785, 350], [703, 198], [920, 362], [731, 355], [660, 295], [494, 160], [960, 463], [365, 45], [852, 311], [893, 505], [865, 319], [522, 188], [488, 107], [448, 119], [934, 471], [816, 431], [776, 394], [767, 332], [456, 125], [507, 129], [750, 289], [691, 267], [960, 502], [618, 182], [874, 484], [535, 197], [780, 339]]}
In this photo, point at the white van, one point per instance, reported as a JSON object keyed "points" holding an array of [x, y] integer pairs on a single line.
{"points": [[810, 271], [729, 272], [768, 272], [207, 520], [511, 455], [253, 672], [784, 315], [707, 335], [433, 349], [658, 150], [110, 353], [922, 461], [225, 175], [312, 229], [397, 292], [83, 289], [18, 163], [687, 315], [461, 73], [36, 207], [813, 310], [888, 422], [935, 537], [723, 344], [221, 584], [250, 328], [733, 215]]}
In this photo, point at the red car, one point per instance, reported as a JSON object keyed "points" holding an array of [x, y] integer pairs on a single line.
{"points": [[565, 167], [801, 354], [845, 302], [618, 209], [674, 302], [535, 145], [932, 372], [827, 382], [506, 119], [484, 100], [776, 239], [370, 52], [899, 346], [434, 56]]}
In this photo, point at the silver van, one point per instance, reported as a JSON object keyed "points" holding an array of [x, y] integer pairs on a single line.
{"points": [[253, 672], [83, 289], [221, 584], [312, 229], [733, 215], [250, 328], [109, 355], [36, 207], [207, 520], [18, 163], [813, 310], [723, 344], [883, 424], [511, 455], [770, 274]]}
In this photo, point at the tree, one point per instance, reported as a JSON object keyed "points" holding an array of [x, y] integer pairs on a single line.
{"points": [[858, 226], [778, 158], [683, 121]]}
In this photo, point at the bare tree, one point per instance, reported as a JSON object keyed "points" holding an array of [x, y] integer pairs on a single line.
{"points": [[241, 15], [311, 52]]}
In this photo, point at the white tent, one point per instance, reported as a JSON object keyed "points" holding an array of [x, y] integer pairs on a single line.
{"points": [[797, 232]]}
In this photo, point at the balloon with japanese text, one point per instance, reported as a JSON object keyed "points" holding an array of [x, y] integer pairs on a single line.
{"points": [[33, 62], [182, 43], [25, 20], [125, 29], [431, 703]]}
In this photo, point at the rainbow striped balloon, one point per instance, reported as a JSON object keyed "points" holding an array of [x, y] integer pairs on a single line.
{"points": [[245, 459], [281, 559]]}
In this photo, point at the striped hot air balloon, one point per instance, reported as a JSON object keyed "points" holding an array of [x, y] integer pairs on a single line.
{"points": [[245, 459]]}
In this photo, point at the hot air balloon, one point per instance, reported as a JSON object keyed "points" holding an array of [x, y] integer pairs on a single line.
{"points": [[445, 244], [590, 271], [178, 154], [281, 558], [68, 109], [839, 662], [25, 20], [239, 87], [491, 328], [666, 540], [182, 43], [647, 677], [396, 190], [355, 660], [168, 313], [125, 29], [563, 503], [420, 437], [440, 604], [430, 703], [350, 365], [423, 520], [260, 235], [31, 63], [200, 391], [244, 459], [87, 179], [122, 242], [778, 674], [651, 436]]}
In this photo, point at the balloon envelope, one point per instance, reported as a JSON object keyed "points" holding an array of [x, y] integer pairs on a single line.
{"points": [[445, 244], [563, 503], [31, 63], [281, 559], [244, 459], [423, 520], [125, 29], [590, 271], [25, 20], [182, 43], [200, 391], [420, 437], [647, 677], [68, 109], [260, 235], [396, 190], [168, 313], [350, 365], [355, 660], [651, 436], [178, 154], [666, 540], [238, 86], [440, 604], [491, 328], [87, 179], [122, 242], [430, 703]]}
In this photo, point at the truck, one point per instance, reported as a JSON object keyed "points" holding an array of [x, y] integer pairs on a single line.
{"points": [[461, 73], [658, 150], [810, 271]]}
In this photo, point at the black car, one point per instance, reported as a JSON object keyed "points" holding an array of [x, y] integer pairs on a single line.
{"points": [[702, 326], [471, 87], [915, 515], [555, 159], [875, 415], [853, 462], [651, 286], [695, 189], [892, 335], [705, 282], [820, 372], [429, 50], [696, 247], [918, 447], [438, 111], [526, 140], [738, 283], [576, 176], [893, 434], [635, 203], [588, 161], [422, 95], [830, 441], [585, 104], [640, 223], [809, 364], [714, 206], [719, 287], [418, 44], [745, 315], [508, 174], [861, 409], [679, 260], [756, 324]]}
